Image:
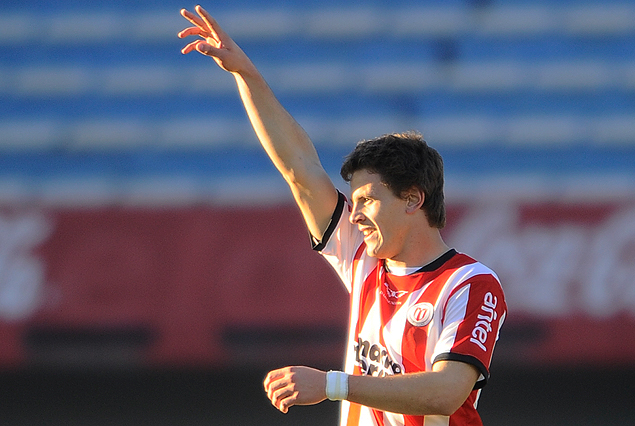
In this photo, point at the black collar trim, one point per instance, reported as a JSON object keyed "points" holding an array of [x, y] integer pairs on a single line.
{"points": [[438, 262]]}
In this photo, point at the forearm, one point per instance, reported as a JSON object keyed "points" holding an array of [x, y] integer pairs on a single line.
{"points": [[284, 140], [438, 392], [290, 149], [414, 394]]}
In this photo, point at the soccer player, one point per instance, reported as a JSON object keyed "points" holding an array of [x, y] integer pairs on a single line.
{"points": [[424, 318]]}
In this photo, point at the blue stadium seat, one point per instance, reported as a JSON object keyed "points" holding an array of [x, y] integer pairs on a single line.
{"points": [[103, 92]]}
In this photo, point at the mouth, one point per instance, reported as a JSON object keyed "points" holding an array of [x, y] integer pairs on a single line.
{"points": [[367, 232]]}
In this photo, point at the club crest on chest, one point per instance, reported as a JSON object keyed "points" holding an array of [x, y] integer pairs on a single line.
{"points": [[420, 314]]}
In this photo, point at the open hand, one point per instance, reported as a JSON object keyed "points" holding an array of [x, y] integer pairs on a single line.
{"points": [[214, 41]]}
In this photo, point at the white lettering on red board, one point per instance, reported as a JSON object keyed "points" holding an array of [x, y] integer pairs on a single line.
{"points": [[558, 268], [22, 272]]}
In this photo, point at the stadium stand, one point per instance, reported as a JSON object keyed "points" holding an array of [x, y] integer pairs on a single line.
{"points": [[100, 93]]}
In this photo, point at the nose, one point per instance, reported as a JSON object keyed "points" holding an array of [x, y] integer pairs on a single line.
{"points": [[356, 216]]}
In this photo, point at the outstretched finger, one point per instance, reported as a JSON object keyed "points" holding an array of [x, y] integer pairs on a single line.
{"points": [[194, 19], [191, 31], [210, 23], [191, 47], [207, 49]]}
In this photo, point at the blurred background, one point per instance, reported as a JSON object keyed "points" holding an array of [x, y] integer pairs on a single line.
{"points": [[153, 266]]}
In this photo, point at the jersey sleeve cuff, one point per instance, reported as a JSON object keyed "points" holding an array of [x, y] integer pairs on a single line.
{"points": [[318, 245], [468, 359]]}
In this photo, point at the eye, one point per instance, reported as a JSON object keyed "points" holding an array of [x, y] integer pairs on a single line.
{"points": [[364, 200]]}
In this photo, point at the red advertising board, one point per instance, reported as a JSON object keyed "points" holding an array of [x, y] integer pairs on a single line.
{"points": [[568, 270], [229, 286], [174, 286]]}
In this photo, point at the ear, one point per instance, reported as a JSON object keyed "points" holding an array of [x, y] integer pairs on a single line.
{"points": [[414, 199]]}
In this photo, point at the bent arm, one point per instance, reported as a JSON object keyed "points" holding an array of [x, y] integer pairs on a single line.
{"points": [[438, 392], [284, 140]]}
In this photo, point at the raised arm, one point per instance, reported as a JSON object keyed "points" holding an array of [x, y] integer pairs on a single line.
{"points": [[286, 143]]}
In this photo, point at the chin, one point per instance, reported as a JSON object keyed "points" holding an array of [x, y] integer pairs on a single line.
{"points": [[373, 252], [370, 251]]}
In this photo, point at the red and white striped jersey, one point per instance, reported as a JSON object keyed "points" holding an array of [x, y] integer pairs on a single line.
{"points": [[451, 309]]}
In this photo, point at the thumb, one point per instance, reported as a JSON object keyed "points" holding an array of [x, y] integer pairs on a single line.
{"points": [[209, 50], [204, 48]]}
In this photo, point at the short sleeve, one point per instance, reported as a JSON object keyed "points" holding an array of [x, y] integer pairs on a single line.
{"points": [[340, 243], [473, 316]]}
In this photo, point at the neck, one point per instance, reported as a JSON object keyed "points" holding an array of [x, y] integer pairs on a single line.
{"points": [[422, 251]]}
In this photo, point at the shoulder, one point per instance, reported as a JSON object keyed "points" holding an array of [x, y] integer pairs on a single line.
{"points": [[468, 272], [468, 268]]}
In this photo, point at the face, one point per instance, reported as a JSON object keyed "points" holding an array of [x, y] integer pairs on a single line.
{"points": [[378, 214]]}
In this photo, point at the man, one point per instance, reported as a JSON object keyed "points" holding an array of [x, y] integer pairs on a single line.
{"points": [[424, 318]]}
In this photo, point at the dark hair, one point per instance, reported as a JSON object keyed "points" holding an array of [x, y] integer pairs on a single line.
{"points": [[403, 161]]}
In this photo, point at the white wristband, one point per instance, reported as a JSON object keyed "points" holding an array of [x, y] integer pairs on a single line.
{"points": [[336, 385]]}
